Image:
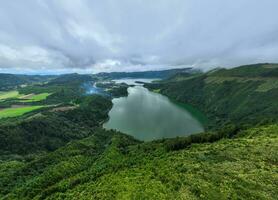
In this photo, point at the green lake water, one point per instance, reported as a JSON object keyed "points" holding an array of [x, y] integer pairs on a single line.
{"points": [[147, 116]]}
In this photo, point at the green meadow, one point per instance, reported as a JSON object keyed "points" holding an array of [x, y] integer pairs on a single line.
{"points": [[7, 95], [14, 112], [37, 97], [30, 98]]}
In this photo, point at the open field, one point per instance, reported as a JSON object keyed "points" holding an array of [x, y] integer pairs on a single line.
{"points": [[34, 98], [7, 95], [23, 97], [14, 112]]}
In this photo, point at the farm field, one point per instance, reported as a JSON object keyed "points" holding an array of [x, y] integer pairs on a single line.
{"points": [[7, 95], [14, 112], [34, 98], [23, 97]]}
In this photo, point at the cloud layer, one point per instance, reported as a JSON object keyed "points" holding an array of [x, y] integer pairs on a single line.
{"points": [[60, 36]]}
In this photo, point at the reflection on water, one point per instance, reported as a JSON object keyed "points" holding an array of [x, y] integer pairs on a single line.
{"points": [[147, 116]]}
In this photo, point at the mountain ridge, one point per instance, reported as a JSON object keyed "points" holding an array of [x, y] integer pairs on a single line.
{"points": [[62, 152]]}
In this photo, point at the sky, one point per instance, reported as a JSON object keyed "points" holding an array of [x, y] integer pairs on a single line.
{"points": [[90, 36]]}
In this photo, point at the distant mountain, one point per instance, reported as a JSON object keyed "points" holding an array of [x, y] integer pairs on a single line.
{"points": [[11, 81], [71, 78], [251, 71], [162, 74]]}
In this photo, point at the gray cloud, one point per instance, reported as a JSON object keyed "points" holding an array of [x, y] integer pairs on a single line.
{"points": [[92, 35]]}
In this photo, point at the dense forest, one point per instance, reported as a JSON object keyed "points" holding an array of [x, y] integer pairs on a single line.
{"points": [[11, 81], [244, 96], [61, 151]]}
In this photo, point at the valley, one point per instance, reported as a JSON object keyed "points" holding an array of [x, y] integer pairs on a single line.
{"points": [[138, 100], [189, 135]]}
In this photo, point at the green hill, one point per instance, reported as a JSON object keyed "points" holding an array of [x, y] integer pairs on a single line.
{"points": [[242, 95], [51, 129], [11, 81], [110, 165], [256, 70], [159, 74], [70, 78]]}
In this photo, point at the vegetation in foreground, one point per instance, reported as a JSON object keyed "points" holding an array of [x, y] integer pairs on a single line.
{"points": [[109, 165]]}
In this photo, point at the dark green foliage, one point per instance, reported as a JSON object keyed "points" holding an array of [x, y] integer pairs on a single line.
{"points": [[11, 81], [63, 89], [250, 71], [110, 165], [119, 91], [66, 155], [228, 131], [71, 79], [91, 111], [51, 130], [114, 90], [163, 74], [226, 98]]}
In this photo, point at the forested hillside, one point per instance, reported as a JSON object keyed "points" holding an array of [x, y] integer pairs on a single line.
{"points": [[159, 74], [11, 81], [242, 95], [54, 127], [110, 165]]}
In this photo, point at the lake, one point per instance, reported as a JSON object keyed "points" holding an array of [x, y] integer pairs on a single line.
{"points": [[132, 81], [147, 116]]}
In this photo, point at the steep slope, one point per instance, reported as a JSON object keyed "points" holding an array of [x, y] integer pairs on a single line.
{"points": [[247, 94], [110, 165], [63, 88], [53, 128]]}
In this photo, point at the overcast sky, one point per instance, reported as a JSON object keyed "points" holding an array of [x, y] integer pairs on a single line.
{"points": [[63, 36]]}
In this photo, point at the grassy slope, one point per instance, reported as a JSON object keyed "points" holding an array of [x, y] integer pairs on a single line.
{"points": [[109, 165], [15, 94], [10, 94], [15, 112], [37, 97]]}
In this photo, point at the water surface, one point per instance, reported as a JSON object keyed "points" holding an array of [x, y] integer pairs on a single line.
{"points": [[134, 81], [147, 116]]}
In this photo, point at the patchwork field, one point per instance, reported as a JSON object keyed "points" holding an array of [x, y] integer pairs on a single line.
{"points": [[7, 95], [23, 97], [17, 111], [34, 97]]}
